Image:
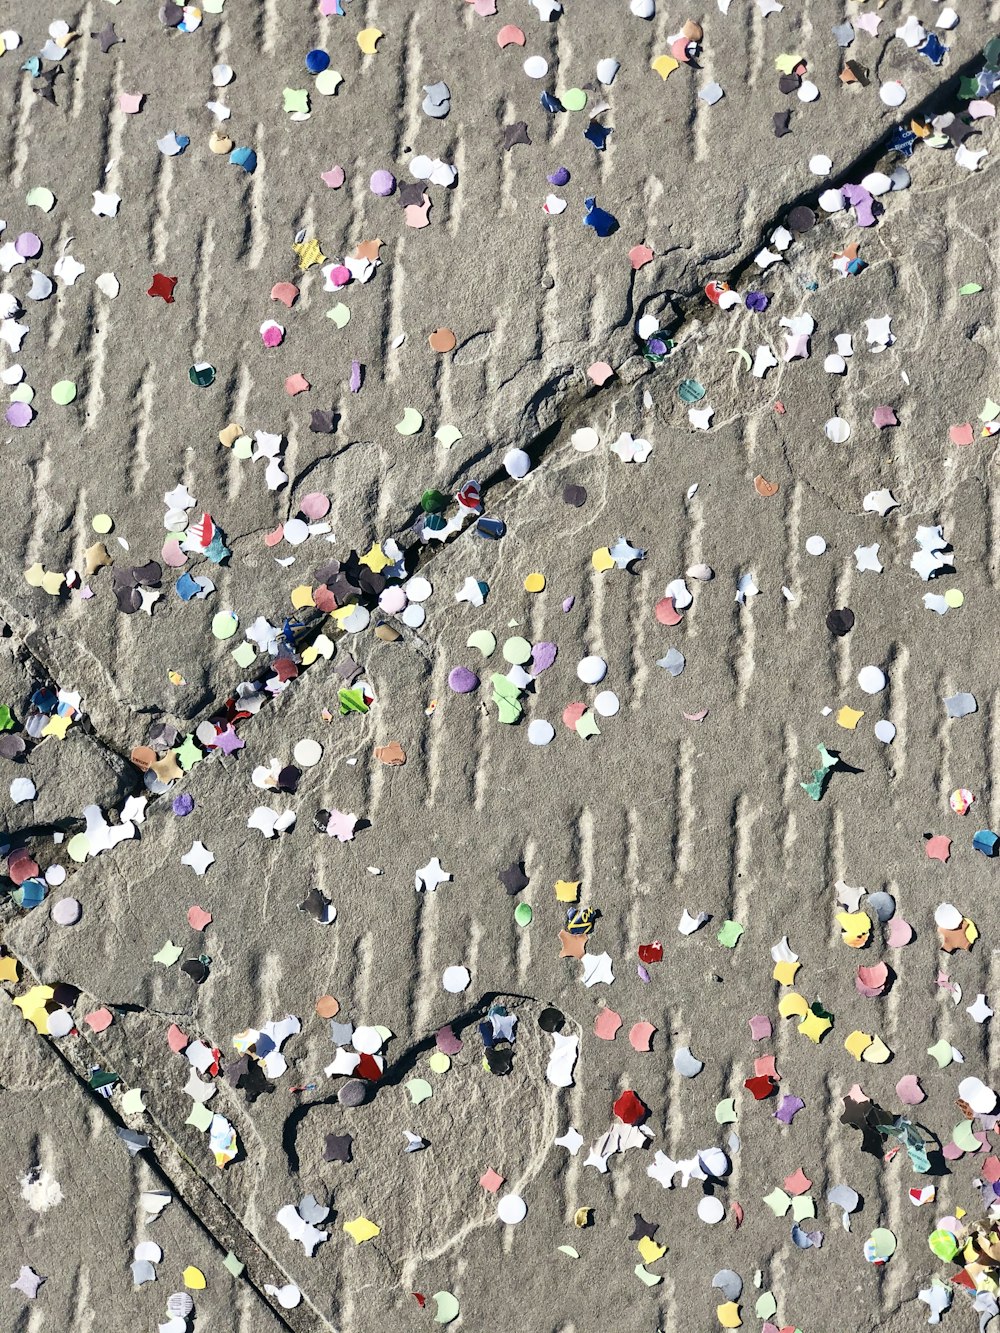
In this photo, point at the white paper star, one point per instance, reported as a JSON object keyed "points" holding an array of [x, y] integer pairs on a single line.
{"points": [[428, 877], [471, 592], [199, 858], [67, 270], [597, 969], [106, 204], [880, 502], [572, 1141], [980, 1011], [866, 557]]}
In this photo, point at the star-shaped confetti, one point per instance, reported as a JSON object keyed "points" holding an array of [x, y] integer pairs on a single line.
{"points": [[107, 38], [309, 253], [199, 858], [28, 1282], [428, 877]]}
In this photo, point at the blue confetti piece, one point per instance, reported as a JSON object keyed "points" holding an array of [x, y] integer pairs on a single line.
{"points": [[605, 224], [597, 135], [187, 587], [245, 158], [933, 48], [550, 103]]}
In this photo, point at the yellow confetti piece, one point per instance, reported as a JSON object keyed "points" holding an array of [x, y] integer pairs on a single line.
{"points": [[856, 927], [8, 969], [567, 890], [877, 1053], [57, 726], [33, 576], [411, 423], [848, 718], [729, 1315], [664, 66], [954, 597], [361, 1229], [650, 1251], [193, 1278], [644, 1276], [375, 558], [368, 39], [302, 596], [602, 560], [784, 972], [792, 1005], [52, 582], [309, 253], [785, 63], [857, 1043], [581, 1218], [534, 583], [815, 1027], [32, 1006]]}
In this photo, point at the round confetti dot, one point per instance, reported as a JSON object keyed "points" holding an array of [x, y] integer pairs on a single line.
{"points": [[18, 415], [439, 1063], [534, 583], [327, 83], [523, 914], [413, 616], [558, 177], [808, 92], [66, 911], [574, 99], [202, 375], [837, 430], [353, 1093], [516, 650], [585, 439], [536, 67], [327, 1006], [296, 531], [816, 545], [462, 681], [947, 916], [317, 61], [892, 93], [102, 523], [27, 245], [55, 875], [711, 1210], [24, 393], [455, 979], [224, 624], [885, 732], [954, 597], [60, 1023], [78, 848], [517, 463], [820, 164], [442, 340], [540, 732], [222, 75], [871, 679], [392, 600], [315, 505], [307, 753], [512, 1209], [367, 1040], [591, 670], [607, 703], [382, 183], [418, 589]]}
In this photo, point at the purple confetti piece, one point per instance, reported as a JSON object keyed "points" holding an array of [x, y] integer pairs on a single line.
{"points": [[355, 377]]}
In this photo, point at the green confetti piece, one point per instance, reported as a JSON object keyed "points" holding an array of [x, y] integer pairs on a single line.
{"points": [[231, 1262], [24, 393], [439, 1063], [295, 100], [802, 1207], [243, 448], [969, 289], [169, 954], [645, 1276], [586, 726], [574, 99], [766, 1305], [991, 411], [725, 1112], [41, 198], [102, 1078], [244, 655], [940, 1053], [817, 785], [6, 718], [729, 934], [200, 1117], [483, 640], [568, 1249], [328, 81], [964, 1137], [778, 1201], [419, 1090], [225, 624], [78, 848], [202, 375], [690, 391], [188, 753], [351, 701], [340, 315], [63, 392], [523, 914], [447, 435], [447, 1307], [517, 651]]}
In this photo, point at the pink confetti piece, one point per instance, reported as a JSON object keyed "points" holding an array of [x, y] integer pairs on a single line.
{"points": [[641, 1036], [607, 1024], [909, 1091], [99, 1019], [198, 918]]}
